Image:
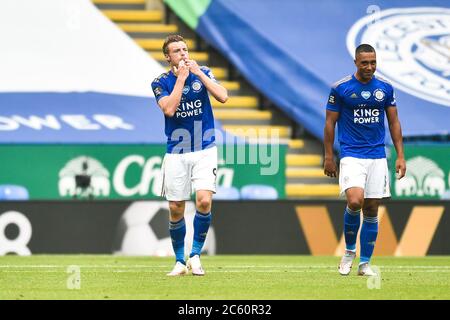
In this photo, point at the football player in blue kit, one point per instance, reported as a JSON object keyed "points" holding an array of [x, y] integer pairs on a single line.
{"points": [[191, 156], [358, 103]]}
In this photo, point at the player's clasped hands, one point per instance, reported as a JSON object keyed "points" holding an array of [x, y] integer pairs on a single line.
{"points": [[193, 66], [186, 66], [182, 70]]}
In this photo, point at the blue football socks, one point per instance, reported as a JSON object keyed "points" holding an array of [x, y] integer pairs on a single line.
{"points": [[177, 233], [351, 226], [201, 226], [369, 232]]}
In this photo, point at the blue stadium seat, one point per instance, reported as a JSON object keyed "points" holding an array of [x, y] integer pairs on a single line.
{"points": [[227, 193], [13, 192], [446, 195], [258, 192]]}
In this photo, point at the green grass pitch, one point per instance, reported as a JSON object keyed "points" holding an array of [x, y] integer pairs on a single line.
{"points": [[227, 277]]}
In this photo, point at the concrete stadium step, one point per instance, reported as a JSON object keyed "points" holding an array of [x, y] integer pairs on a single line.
{"points": [[148, 30], [322, 180], [312, 190], [120, 4], [240, 114], [219, 73], [258, 131], [156, 44], [303, 160], [310, 146], [134, 15], [148, 27], [197, 56], [296, 143], [231, 85], [305, 173], [237, 102]]}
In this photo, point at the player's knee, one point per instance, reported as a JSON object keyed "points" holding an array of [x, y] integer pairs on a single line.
{"points": [[370, 210], [204, 205], [176, 207], [355, 204]]}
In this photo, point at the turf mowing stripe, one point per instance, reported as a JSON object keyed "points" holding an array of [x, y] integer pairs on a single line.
{"points": [[383, 271], [233, 267]]}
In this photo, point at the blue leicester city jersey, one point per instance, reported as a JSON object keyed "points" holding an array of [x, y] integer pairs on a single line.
{"points": [[192, 126], [361, 108]]}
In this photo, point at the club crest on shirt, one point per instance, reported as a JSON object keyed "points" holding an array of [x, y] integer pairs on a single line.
{"points": [[365, 94], [379, 95], [196, 86]]}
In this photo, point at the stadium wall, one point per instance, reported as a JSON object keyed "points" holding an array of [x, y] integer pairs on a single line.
{"points": [[427, 174], [127, 171], [407, 228]]}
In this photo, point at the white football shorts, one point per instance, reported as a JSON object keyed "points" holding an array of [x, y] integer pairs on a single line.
{"points": [[184, 171], [372, 175]]}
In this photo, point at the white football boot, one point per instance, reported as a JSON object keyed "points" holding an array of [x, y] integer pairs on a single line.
{"points": [[195, 265], [345, 266], [365, 270], [178, 270]]}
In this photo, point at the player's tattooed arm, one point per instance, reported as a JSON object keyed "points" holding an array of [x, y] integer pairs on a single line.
{"points": [[397, 138], [329, 165], [217, 91]]}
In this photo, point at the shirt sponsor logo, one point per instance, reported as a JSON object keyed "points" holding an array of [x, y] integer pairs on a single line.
{"points": [[189, 109], [362, 116]]}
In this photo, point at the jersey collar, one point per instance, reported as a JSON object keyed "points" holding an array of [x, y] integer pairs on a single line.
{"points": [[362, 83]]}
